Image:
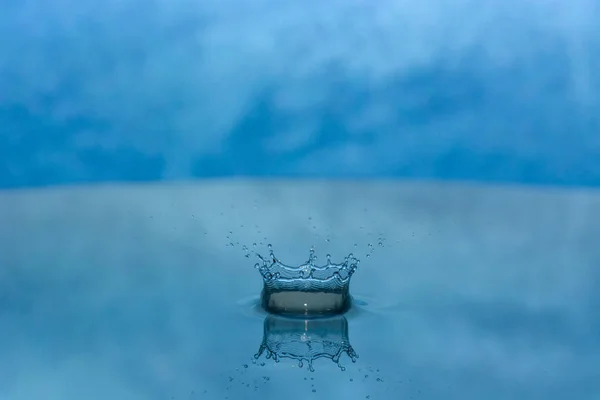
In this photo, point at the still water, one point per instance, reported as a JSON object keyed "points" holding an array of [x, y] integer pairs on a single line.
{"points": [[150, 292]]}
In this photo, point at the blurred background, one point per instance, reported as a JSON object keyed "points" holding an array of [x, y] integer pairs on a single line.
{"points": [[504, 91], [137, 292]]}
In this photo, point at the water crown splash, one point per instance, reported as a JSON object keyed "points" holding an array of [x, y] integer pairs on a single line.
{"points": [[308, 289]]}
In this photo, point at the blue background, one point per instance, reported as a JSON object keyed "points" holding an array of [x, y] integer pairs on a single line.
{"points": [[142, 91], [134, 292]]}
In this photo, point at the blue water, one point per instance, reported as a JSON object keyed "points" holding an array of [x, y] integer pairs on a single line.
{"points": [[145, 292], [137, 91], [468, 137]]}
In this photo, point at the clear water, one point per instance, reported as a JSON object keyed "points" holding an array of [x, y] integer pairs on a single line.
{"points": [[307, 289], [144, 292]]}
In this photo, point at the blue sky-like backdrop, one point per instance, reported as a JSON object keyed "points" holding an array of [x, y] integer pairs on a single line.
{"points": [[130, 90]]}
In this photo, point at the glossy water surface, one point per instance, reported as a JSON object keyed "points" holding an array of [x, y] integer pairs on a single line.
{"points": [[144, 292]]}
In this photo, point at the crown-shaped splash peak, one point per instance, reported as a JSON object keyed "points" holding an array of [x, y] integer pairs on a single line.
{"points": [[308, 289]]}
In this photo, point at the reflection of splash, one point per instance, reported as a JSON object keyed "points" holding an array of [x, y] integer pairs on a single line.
{"points": [[306, 340], [307, 289]]}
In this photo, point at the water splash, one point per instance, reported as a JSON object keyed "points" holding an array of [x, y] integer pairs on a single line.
{"points": [[307, 289], [306, 340], [277, 274]]}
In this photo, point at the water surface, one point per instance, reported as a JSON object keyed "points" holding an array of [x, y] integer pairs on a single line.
{"points": [[145, 292]]}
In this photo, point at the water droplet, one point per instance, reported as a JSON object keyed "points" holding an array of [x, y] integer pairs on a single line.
{"points": [[245, 365], [380, 244]]}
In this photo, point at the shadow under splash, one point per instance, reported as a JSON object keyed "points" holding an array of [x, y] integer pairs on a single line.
{"points": [[306, 340]]}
